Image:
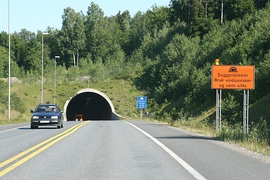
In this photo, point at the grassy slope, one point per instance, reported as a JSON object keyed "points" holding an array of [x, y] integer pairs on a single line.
{"points": [[260, 109], [122, 94]]}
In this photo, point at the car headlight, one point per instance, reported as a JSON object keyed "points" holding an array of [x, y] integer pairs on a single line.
{"points": [[35, 117], [54, 117]]}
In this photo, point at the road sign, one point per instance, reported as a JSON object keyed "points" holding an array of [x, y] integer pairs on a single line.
{"points": [[141, 102], [233, 77]]}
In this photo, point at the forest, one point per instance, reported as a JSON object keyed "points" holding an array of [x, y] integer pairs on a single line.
{"points": [[166, 51]]}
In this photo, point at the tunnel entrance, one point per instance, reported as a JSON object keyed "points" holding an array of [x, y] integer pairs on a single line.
{"points": [[91, 104]]}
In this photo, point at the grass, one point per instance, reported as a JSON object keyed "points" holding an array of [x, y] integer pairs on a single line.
{"points": [[260, 110], [256, 140], [122, 94]]}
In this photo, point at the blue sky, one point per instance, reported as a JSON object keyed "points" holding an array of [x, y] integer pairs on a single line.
{"points": [[35, 15]]}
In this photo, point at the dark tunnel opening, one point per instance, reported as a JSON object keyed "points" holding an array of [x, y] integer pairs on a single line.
{"points": [[91, 105]]}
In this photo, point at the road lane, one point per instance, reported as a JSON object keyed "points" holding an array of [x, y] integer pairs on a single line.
{"points": [[185, 165], [213, 159], [17, 139], [15, 161], [11, 127], [102, 150], [117, 150]]}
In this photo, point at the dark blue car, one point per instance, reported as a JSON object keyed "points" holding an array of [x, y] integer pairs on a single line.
{"points": [[47, 115]]}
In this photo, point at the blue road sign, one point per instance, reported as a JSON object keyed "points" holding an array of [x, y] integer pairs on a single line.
{"points": [[141, 102]]}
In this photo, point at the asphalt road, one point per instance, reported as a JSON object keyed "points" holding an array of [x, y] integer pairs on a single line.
{"points": [[122, 150]]}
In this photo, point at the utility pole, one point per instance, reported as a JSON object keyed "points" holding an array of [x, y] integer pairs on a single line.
{"points": [[9, 66], [42, 69], [54, 94], [221, 15]]}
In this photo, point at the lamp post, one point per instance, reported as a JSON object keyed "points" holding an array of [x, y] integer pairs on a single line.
{"points": [[41, 96], [221, 16], [9, 99], [54, 96]]}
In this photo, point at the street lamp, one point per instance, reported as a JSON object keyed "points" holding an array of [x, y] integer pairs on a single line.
{"points": [[54, 96], [41, 98], [9, 71], [222, 13]]}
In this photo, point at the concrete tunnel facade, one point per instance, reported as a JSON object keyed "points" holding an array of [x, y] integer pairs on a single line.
{"points": [[92, 104]]}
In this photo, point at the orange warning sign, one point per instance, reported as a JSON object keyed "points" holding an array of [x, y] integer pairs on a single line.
{"points": [[233, 77]]}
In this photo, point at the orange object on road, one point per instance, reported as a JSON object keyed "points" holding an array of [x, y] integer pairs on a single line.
{"points": [[78, 117]]}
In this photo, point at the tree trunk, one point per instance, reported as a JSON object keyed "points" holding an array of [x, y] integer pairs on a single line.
{"points": [[78, 55], [74, 62]]}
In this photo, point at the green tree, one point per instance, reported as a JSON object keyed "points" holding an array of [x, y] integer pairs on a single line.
{"points": [[3, 60], [4, 39], [52, 46], [138, 31], [93, 30], [157, 18], [260, 3], [72, 36], [26, 50], [123, 30], [197, 14], [231, 109], [238, 8], [180, 10], [101, 35]]}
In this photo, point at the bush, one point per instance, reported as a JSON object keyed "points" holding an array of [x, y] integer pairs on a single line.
{"points": [[231, 110], [17, 103], [231, 132], [259, 132]]}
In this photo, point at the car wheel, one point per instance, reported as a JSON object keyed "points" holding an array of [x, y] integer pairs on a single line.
{"points": [[33, 127]]}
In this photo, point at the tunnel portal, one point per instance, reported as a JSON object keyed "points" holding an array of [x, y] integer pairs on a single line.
{"points": [[91, 104]]}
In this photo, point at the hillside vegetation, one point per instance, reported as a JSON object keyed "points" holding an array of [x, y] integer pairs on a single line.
{"points": [[165, 53], [122, 94]]}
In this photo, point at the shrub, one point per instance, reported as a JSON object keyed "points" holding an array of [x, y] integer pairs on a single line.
{"points": [[231, 110]]}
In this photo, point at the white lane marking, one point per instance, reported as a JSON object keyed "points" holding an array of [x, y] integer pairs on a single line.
{"points": [[192, 171], [13, 128]]}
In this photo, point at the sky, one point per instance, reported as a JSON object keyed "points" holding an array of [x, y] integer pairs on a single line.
{"points": [[36, 15]]}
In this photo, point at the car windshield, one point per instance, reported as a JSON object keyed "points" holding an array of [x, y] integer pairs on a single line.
{"points": [[44, 108]]}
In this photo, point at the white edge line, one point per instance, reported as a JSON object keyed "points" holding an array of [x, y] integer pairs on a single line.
{"points": [[192, 171], [13, 128]]}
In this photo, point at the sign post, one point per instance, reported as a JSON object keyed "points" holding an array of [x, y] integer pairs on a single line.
{"points": [[218, 109], [218, 104], [141, 104], [245, 111], [233, 77]]}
